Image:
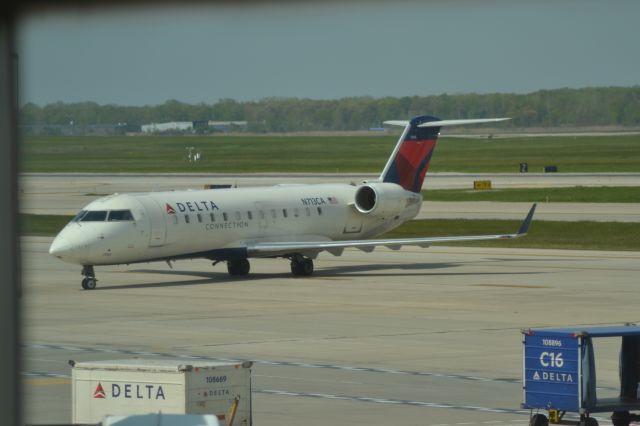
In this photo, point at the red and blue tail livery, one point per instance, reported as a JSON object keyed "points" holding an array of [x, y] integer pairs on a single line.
{"points": [[410, 160]]}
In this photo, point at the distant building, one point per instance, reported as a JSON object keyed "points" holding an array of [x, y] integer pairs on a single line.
{"points": [[198, 126], [226, 126], [170, 126]]}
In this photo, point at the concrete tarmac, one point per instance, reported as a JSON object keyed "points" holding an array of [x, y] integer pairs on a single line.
{"points": [[415, 337]]}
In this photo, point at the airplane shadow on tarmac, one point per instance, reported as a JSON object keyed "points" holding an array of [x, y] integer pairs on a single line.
{"points": [[364, 270], [405, 270], [203, 281]]}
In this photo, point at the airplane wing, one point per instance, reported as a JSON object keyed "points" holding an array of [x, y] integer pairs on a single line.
{"points": [[312, 248]]}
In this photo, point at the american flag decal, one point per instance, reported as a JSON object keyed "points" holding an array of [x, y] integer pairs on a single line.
{"points": [[333, 200]]}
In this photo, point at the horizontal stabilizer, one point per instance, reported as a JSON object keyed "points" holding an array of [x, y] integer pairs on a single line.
{"points": [[442, 123]]}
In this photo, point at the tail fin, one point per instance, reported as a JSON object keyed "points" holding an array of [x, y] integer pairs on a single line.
{"points": [[410, 159]]}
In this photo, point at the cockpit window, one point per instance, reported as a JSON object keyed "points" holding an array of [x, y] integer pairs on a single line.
{"points": [[79, 216], [94, 216], [120, 215]]}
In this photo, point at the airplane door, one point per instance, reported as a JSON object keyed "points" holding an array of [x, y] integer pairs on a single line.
{"points": [[354, 222], [261, 214], [157, 221]]}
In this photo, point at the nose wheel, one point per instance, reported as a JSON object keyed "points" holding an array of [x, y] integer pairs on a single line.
{"points": [[89, 281]]}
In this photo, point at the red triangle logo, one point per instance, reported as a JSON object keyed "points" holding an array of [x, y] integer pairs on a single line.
{"points": [[169, 209], [99, 392]]}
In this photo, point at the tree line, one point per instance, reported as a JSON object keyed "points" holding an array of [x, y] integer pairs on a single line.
{"points": [[594, 106]]}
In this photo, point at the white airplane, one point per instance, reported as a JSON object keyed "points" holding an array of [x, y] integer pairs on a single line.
{"points": [[231, 225]]}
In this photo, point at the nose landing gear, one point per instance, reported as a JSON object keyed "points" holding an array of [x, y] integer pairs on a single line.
{"points": [[89, 281]]}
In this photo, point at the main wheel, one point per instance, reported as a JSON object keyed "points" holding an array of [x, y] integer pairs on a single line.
{"points": [[238, 267], [89, 283], [538, 420], [307, 267], [295, 268], [302, 267], [621, 418]]}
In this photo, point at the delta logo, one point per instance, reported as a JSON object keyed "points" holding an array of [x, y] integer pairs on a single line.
{"points": [[191, 206], [99, 392], [130, 391]]}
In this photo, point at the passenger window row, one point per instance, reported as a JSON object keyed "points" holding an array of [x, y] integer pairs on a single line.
{"points": [[238, 215]]}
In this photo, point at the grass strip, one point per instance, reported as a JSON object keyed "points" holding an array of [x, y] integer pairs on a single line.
{"points": [[326, 154], [584, 235], [543, 234], [577, 194], [45, 225]]}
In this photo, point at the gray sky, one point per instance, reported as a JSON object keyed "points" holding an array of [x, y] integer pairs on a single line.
{"points": [[202, 54]]}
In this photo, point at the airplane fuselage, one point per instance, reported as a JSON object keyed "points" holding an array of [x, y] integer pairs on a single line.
{"points": [[219, 224]]}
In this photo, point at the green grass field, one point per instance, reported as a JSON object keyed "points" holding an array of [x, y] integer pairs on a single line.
{"points": [[42, 224], [330, 154], [543, 234]]}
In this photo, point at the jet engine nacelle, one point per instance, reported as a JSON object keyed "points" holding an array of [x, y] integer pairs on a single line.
{"points": [[381, 199]]}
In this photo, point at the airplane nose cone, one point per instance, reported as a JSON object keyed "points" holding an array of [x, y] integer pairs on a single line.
{"points": [[60, 247], [73, 245]]}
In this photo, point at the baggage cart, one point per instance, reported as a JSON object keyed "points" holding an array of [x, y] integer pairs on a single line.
{"points": [[559, 375]]}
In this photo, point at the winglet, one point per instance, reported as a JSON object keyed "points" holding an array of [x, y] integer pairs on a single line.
{"points": [[524, 228]]}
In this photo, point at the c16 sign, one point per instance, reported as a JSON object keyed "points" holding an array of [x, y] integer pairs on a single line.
{"points": [[551, 372]]}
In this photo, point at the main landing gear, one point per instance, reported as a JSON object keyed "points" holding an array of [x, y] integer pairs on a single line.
{"points": [[238, 268], [89, 281], [301, 266]]}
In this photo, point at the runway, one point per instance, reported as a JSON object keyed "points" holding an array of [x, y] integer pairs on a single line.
{"points": [[417, 336], [66, 194]]}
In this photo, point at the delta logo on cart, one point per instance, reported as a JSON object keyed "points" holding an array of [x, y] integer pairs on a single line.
{"points": [[130, 391], [99, 392]]}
